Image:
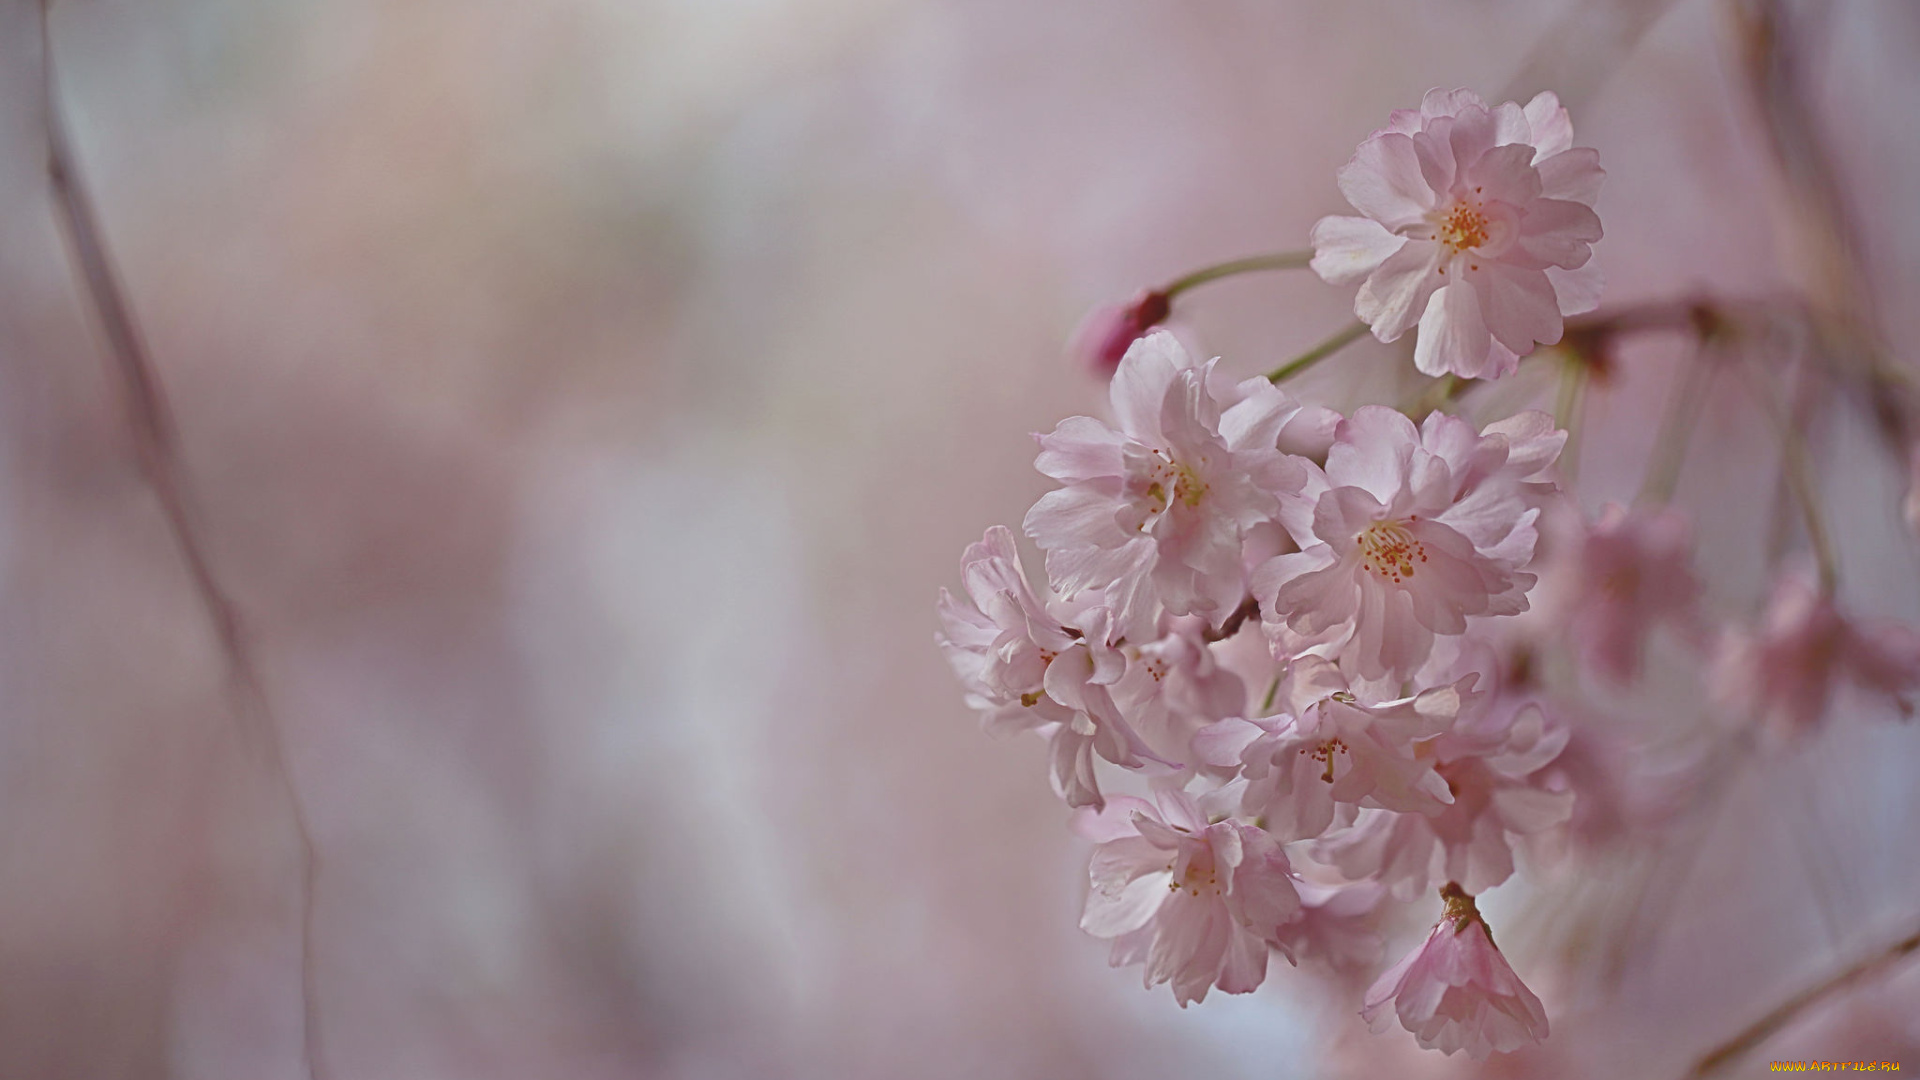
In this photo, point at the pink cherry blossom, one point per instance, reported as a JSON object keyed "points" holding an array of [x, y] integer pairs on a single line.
{"points": [[1175, 686], [1024, 669], [1493, 767], [1406, 533], [1456, 991], [1199, 903], [1156, 511], [1784, 671], [1110, 330], [1633, 569], [1329, 750], [1478, 223]]}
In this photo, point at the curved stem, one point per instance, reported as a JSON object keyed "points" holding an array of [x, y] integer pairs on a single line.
{"points": [[1757, 1032], [155, 445], [1676, 433], [1318, 353], [1796, 462], [1279, 260], [1569, 409]]}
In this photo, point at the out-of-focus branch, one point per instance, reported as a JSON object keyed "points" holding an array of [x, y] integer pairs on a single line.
{"points": [[1584, 48], [1758, 1032], [152, 426]]}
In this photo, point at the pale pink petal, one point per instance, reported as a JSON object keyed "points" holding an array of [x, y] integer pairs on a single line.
{"points": [[1575, 175], [1552, 127], [1510, 125], [1505, 174], [1389, 299], [1346, 249], [1373, 450], [1578, 291], [1439, 102], [1453, 332], [1080, 448], [1383, 181], [1521, 307], [1140, 386]]}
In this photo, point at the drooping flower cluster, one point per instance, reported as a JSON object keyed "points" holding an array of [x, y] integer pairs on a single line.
{"points": [[1157, 547], [1305, 635]]}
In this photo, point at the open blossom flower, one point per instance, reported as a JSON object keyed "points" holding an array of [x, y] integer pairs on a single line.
{"points": [[1493, 767], [1456, 991], [1110, 330], [1156, 511], [1175, 686], [1328, 750], [1634, 569], [1198, 902], [1784, 670], [1478, 224], [1337, 926], [1024, 669], [1406, 533]]}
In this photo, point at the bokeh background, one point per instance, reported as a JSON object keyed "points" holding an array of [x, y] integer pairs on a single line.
{"points": [[582, 400]]}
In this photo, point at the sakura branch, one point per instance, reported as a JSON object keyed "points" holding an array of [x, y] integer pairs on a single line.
{"points": [[1394, 728], [153, 428], [1751, 1037]]}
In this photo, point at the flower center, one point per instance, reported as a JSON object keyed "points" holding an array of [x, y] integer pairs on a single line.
{"points": [[1170, 481], [1200, 874], [1389, 550], [1463, 226], [1324, 753]]}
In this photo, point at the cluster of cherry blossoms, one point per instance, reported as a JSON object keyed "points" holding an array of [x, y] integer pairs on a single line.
{"points": [[1287, 662]]}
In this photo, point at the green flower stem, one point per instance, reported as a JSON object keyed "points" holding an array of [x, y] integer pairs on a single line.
{"points": [[1279, 260], [1318, 353]]}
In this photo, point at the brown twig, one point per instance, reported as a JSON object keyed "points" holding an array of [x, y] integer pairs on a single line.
{"points": [[1248, 609], [1800, 1002], [155, 445]]}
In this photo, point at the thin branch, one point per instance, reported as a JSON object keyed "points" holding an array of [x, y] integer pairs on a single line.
{"points": [[156, 447], [1318, 353], [1248, 609], [1684, 401], [1279, 260], [1758, 1032]]}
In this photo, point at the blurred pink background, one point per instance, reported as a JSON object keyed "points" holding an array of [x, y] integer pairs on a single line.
{"points": [[583, 400]]}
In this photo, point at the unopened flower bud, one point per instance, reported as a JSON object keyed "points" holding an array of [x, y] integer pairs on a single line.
{"points": [[1107, 331]]}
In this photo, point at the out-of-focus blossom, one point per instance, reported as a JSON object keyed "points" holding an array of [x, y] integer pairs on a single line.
{"points": [[1783, 671], [1199, 903], [1456, 991], [1493, 769], [1407, 532], [1634, 569], [1478, 223], [1111, 329], [1024, 669], [1337, 926], [1912, 507], [1327, 750], [1156, 510]]}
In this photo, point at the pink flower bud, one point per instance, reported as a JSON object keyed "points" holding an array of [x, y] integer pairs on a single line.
{"points": [[1107, 331]]}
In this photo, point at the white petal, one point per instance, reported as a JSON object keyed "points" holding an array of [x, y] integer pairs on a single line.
{"points": [[1453, 332], [1578, 291], [1392, 296], [1346, 249], [1552, 127], [1384, 181]]}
